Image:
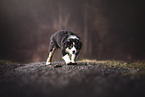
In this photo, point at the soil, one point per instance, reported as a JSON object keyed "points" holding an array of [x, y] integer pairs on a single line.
{"points": [[86, 79]]}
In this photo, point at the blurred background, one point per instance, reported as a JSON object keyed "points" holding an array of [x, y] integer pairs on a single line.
{"points": [[109, 29]]}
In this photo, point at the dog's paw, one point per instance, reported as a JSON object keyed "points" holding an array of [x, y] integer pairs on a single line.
{"points": [[71, 63], [48, 63], [74, 63]]}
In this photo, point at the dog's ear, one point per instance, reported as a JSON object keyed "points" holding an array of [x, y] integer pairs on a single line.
{"points": [[79, 44]]}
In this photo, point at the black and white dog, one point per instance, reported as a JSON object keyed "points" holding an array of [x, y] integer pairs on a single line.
{"points": [[68, 42]]}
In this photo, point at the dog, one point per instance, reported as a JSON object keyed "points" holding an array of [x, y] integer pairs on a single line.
{"points": [[69, 43]]}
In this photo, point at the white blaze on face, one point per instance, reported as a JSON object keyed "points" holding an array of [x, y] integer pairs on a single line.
{"points": [[73, 49]]}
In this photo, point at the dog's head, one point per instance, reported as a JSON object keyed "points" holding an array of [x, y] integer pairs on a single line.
{"points": [[73, 46]]}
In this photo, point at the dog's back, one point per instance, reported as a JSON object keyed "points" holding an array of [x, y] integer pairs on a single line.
{"points": [[60, 36]]}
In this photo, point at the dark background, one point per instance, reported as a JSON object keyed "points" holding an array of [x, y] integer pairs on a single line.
{"points": [[109, 29]]}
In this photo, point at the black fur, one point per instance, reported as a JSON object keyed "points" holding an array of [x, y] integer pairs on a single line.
{"points": [[60, 40]]}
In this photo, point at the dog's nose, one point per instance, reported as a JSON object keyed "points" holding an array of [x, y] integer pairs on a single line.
{"points": [[73, 52]]}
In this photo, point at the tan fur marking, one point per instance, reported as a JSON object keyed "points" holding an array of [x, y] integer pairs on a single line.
{"points": [[50, 56]]}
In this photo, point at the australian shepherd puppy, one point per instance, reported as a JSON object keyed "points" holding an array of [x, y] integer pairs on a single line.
{"points": [[68, 42]]}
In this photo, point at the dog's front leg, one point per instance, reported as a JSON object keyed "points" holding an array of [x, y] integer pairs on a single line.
{"points": [[66, 59], [73, 58], [50, 55], [49, 58]]}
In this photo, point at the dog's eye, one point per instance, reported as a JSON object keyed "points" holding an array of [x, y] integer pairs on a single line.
{"points": [[68, 45]]}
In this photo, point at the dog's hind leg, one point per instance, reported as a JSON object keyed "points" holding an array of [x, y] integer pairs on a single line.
{"points": [[50, 55], [52, 49]]}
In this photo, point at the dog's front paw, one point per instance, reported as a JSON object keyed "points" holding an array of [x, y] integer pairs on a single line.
{"points": [[74, 63], [48, 63], [71, 63]]}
